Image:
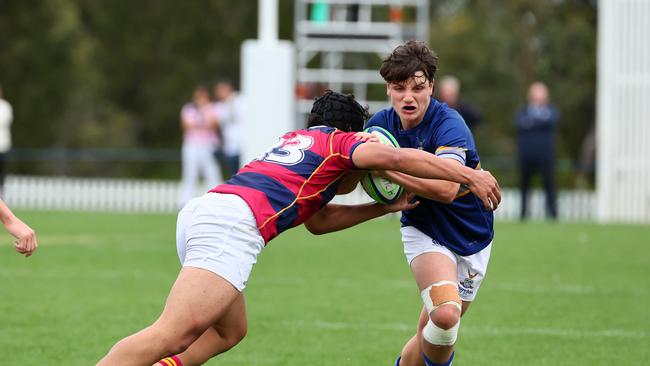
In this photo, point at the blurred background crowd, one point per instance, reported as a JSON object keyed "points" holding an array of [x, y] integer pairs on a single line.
{"points": [[96, 97]]}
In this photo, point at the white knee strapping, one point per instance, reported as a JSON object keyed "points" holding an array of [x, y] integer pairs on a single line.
{"points": [[436, 295], [438, 336], [446, 297]]}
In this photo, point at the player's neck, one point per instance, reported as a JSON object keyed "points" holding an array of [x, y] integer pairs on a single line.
{"points": [[407, 125]]}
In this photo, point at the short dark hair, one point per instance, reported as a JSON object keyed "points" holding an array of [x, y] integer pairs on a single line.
{"points": [[406, 60], [338, 110]]}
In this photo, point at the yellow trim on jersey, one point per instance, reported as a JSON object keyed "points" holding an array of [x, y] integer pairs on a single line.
{"points": [[464, 193], [298, 197], [451, 147]]}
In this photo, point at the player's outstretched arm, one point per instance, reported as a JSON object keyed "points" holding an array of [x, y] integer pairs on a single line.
{"points": [[335, 217], [434, 189], [25, 237], [425, 165]]}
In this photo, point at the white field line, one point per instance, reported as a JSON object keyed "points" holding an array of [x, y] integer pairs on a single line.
{"points": [[474, 330]]}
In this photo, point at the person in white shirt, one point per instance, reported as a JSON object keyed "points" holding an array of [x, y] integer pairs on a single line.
{"points": [[200, 139], [6, 117], [229, 111]]}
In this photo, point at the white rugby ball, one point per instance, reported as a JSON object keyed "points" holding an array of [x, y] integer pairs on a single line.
{"points": [[381, 189]]}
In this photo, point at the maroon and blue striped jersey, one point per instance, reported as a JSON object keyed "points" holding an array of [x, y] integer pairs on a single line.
{"points": [[295, 178]]}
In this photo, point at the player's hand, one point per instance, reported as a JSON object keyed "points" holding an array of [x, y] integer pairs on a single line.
{"points": [[366, 136], [25, 242], [405, 202], [485, 187]]}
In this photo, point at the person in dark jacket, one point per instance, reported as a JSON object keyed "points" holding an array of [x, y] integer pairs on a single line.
{"points": [[536, 125], [449, 92]]}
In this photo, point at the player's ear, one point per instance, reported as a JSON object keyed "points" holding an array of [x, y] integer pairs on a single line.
{"points": [[432, 86], [388, 89]]}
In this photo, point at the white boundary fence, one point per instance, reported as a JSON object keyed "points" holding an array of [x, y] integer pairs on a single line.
{"points": [[155, 196]]}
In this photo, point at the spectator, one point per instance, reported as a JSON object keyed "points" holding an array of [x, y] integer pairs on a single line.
{"points": [[536, 124], [449, 92], [199, 123], [229, 110], [6, 117]]}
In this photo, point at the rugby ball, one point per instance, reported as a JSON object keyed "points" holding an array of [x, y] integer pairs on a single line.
{"points": [[381, 189]]}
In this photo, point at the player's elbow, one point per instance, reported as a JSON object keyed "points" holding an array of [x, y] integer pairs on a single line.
{"points": [[447, 198]]}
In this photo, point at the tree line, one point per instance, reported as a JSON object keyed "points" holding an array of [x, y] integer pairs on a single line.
{"points": [[114, 74]]}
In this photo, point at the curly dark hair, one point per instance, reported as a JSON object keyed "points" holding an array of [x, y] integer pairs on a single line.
{"points": [[406, 60], [338, 110]]}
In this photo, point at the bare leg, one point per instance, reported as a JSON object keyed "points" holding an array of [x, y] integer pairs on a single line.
{"points": [[412, 353], [222, 336], [430, 268], [196, 301]]}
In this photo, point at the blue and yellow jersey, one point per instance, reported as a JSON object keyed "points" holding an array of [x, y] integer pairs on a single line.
{"points": [[464, 226]]}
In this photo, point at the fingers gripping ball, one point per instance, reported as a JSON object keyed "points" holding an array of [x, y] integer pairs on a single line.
{"points": [[381, 189]]}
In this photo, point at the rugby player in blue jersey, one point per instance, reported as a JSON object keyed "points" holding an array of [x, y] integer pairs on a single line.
{"points": [[448, 237]]}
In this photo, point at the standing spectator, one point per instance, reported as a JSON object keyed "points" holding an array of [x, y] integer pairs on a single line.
{"points": [[449, 92], [229, 111], [536, 124], [199, 123], [6, 117]]}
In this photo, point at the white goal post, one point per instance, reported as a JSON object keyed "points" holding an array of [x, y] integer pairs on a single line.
{"points": [[623, 111]]}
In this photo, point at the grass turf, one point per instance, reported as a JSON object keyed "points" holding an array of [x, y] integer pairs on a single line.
{"points": [[567, 294]]}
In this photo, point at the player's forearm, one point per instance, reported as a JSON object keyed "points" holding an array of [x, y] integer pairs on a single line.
{"points": [[335, 217], [425, 165], [433, 189], [6, 216]]}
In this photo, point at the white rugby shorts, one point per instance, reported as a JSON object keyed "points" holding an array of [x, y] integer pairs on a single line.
{"points": [[218, 232], [471, 269]]}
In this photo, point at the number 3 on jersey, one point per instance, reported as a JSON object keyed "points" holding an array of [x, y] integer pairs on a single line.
{"points": [[289, 151]]}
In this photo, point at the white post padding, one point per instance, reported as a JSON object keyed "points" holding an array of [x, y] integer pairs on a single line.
{"points": [[623, 111], [268, 90]]}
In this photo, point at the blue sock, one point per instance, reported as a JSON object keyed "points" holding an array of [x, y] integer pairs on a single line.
{"points": [[428, 362], [397, 362]]}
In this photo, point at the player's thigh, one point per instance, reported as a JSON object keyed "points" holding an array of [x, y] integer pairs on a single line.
{"points": [[233, 324], [197, 300], [432, 267], [228, 330], [429, 262]]}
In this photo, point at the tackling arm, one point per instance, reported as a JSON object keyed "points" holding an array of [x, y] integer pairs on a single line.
{"points": [[425, 165], [434, 189], [335, 217]]}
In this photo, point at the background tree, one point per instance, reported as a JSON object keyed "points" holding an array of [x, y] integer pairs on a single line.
{"points": [[114, 74]]}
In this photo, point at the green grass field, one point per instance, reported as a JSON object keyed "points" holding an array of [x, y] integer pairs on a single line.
{"points": [[555, 294]]}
